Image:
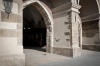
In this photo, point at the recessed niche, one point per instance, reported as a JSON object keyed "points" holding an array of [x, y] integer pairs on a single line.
{"points": [[67, 33], [66, 22], [69, 27], [67, 39]]}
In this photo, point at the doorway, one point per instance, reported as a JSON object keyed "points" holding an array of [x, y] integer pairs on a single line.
{"points": [[34, 29]]}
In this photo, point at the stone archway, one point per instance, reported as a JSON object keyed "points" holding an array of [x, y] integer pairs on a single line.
{"points": [[98, 3], [47, 15], [90, 13]]}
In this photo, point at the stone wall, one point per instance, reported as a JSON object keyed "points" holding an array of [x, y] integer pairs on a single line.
{"points": [[11, 49], [61, 30], [91, 35]]}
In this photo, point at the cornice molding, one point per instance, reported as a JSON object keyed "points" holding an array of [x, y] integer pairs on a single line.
{"points": [[91, 17], [66, 7]]}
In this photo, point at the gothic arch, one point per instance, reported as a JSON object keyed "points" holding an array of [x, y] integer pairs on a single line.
{"points": [[47, 15], [90, 12]]}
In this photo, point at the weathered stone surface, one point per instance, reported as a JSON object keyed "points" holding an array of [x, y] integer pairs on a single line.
{"points": [[77, 51], [10, 33], [59, 15], [19, 41], [71, 52], [20, 26], [12, 60], [12, 17], [91, 47], [90, 35], [63, 51], [49, 49], [6, 25]]}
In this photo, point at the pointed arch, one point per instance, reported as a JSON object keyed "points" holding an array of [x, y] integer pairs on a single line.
{"points": [[48, 18]]}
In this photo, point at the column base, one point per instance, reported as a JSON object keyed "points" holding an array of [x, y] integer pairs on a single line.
{"points": [[12, 60], [48, 49], [70, 52]]}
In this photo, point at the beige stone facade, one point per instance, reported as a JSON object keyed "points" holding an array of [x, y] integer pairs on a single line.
{"points": [[70, 26]]}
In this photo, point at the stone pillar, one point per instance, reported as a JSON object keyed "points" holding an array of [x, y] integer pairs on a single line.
{"points": [[49, 40], [98, 3], [75, 30], [67, 30], [99, 28], [11, 49]]}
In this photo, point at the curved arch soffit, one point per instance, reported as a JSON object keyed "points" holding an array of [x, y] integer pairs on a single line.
{"points": [[98, 3], [45, 9]]}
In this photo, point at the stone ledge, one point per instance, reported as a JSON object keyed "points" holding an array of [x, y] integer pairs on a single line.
{"points": [[71, 52], [91, 47], [6, 25], [12, 60], [10, 33]]}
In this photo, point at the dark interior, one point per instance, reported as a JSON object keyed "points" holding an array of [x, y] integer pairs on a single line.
{"points": [[34, 28]]}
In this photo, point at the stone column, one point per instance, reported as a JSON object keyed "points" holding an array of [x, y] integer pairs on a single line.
{"points": [[99, 28], [98, 3], [75, 30], [49, 40], [11, 49]]}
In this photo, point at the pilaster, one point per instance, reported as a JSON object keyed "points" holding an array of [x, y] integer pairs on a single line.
{"points": [[99, 27], [76, 30]]}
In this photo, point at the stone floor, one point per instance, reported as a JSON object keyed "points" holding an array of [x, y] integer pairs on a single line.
{"points": [[35, 57]]}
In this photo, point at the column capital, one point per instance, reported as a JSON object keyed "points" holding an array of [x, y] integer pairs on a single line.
{"points": [[75, 8]]}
